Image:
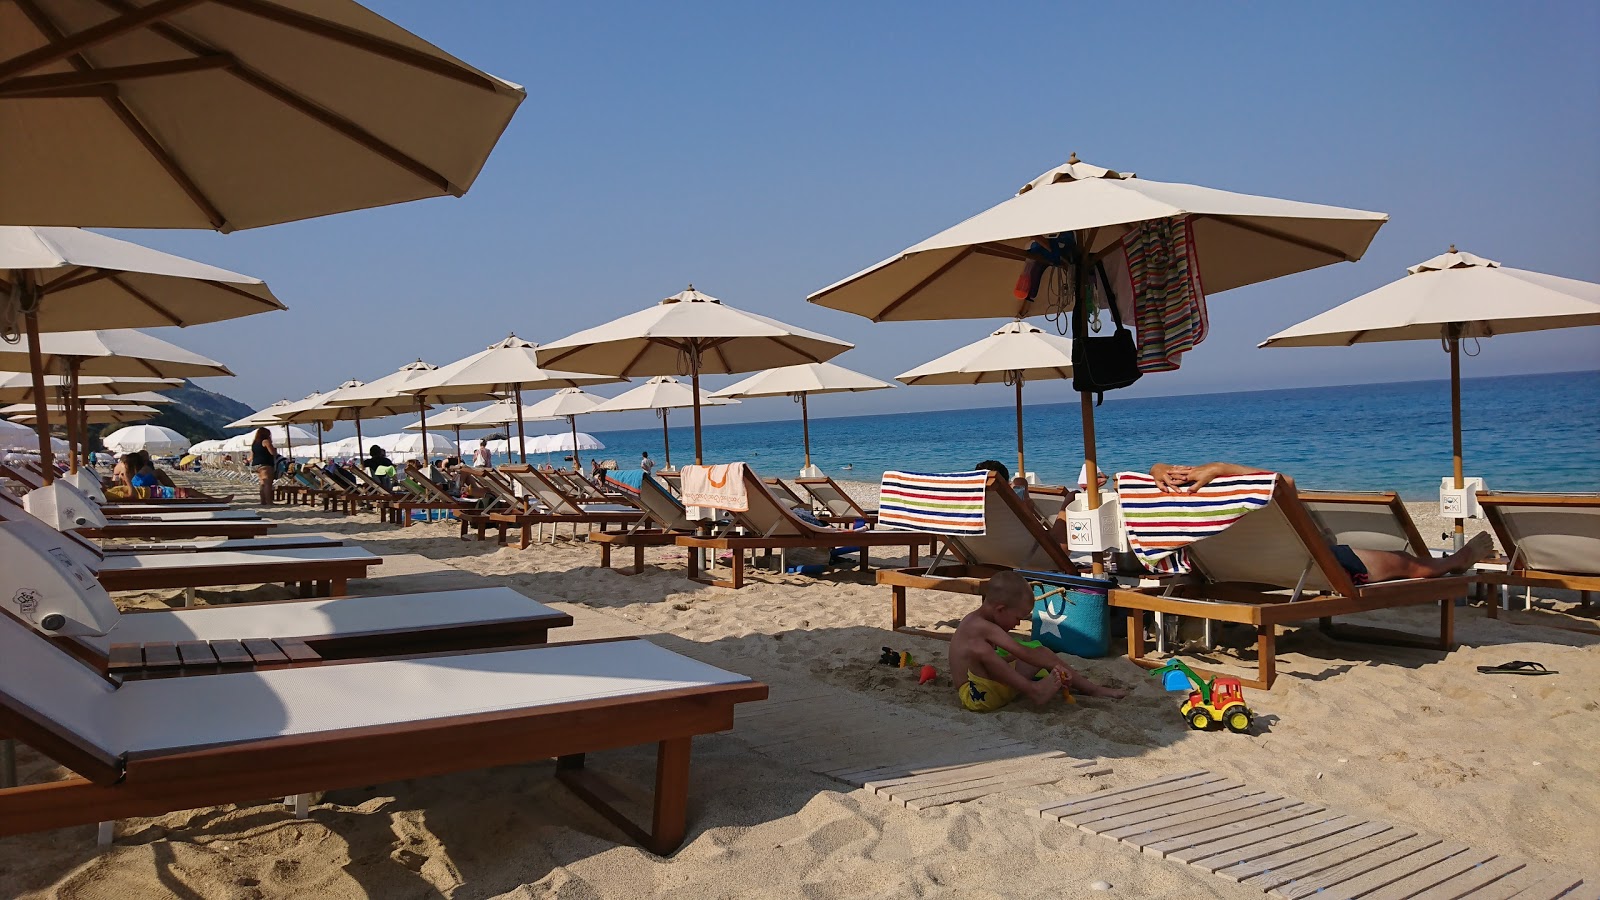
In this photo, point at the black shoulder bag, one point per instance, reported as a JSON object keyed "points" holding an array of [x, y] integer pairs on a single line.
{"points": [[1102, 363]]}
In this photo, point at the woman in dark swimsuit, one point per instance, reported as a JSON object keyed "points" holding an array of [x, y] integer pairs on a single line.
{"points": [[264, 459]]}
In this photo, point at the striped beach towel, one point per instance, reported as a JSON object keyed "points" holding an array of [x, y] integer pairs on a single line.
{"points": [[1160, 525], [939, 503]]}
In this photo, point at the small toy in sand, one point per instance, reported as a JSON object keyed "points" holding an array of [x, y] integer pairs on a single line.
{"points": [[1219, 700], [927, 674], [897, 658]]}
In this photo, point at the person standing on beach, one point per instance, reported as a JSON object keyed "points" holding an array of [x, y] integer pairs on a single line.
{"points": [[264, 459], [645, 462], [480, 456]]}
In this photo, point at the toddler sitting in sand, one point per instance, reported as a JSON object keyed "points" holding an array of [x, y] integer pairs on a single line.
{"points": [[984, 681]]}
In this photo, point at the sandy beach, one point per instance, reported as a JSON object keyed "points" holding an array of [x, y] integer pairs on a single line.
{"points": [[1416, 738]]}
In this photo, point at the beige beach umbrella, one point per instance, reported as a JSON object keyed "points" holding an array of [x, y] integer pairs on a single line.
{"points": [[318, 409], [799, 382], [507, 367], [17, 387], [1013, 354], [90, 413], [569, 404], [385, 395], [663, 394], [59, 279], [500, 412], [969, 271], [267, 417], [693, 334], [228, 114], [1450, 298], [455, 417]]}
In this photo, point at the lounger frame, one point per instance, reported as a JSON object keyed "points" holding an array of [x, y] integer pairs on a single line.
{"points": [[1518, 573]]}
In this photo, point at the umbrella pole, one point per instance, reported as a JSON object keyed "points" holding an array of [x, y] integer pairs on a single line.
{"points": [[1022, 467], [522, 439], [360, 450], [422, 412], [318, 426], [1455, 430], [576, 466], [805, 427], [41, 404], [666, 442], [1091, 468], [694, 387], [71, 405]]}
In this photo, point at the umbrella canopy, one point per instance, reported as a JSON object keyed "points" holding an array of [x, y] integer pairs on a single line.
{"points": [[319, 408], [262, 417], [690, 333], [663, 394], [151, 438], [495, 414], [454, 417], [384, 396], [967, 271], [92, 413], [1013, 354], [568, 403], [18, 386], [411, 446], [799, 382], [1448, 298], [284, 437], [970, 270], [507, 367], [21, 438], [268, 111], [564, 442]]}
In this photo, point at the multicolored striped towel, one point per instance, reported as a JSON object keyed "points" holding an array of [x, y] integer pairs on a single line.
{"points": [[1160, 524], [935, 502]]}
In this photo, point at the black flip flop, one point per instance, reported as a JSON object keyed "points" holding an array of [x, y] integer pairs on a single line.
{"points": [[1517, 667]]}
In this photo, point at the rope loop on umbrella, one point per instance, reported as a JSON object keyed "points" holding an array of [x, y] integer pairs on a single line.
{"points": [[1015, 377], [1477, 348], [11, 312]]}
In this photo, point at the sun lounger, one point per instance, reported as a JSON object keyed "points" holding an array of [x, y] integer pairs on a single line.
{"points": [[663, 522], [548, 504], [771, 525], [1551, 540], [271, 542], [1243, 569], [493, 495], [840, 505], [146, 747], [180, 530], [1013, 538], [318, 571], [425, 495], [182, 515]]}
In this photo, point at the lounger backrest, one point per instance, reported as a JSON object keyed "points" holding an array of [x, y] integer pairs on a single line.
{"points": [[1012, 538], [673, 482], [831, 496], [784, 492], [579, 488], [366, 478], [767, 515], [1277, 545], [1547, 532], [1046, 500], [1370, 521], [661, 506], [538, 486], [47, 694], [26, 477]]}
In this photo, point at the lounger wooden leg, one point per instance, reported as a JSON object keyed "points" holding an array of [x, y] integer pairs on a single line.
{"points": [[638, 559], [897, 607], [1135, 635], [669, 816], [1447, 624], [1266, 655], [339, 588], [864, 558], [738, 570], [527, 536], [605, 556], [694, 563]]}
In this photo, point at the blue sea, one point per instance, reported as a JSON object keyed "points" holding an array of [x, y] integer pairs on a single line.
{"points": [[1524, 432]]}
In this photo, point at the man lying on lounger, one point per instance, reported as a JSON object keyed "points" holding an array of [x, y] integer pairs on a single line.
{"points": [[1363, 565]]}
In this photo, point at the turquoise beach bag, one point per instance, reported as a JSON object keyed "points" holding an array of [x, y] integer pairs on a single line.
{"points": [[1071, 614]]}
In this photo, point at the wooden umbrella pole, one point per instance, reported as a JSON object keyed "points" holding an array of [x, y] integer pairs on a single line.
{"points": [[1022, 467], [41, 404], [74, 445], [1455, 429], [694, 387], [318, 426], [666, 441], [576, 466], [805, 427], [1091, 468], [422, 413], [522, 438], [360, 450]]}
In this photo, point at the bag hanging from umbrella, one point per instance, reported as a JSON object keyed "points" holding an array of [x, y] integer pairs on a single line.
{"points": [[1101, 363]]}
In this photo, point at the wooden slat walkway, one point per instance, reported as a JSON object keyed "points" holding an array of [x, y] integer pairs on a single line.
{"points": [[1293, 849], [901, 754]]}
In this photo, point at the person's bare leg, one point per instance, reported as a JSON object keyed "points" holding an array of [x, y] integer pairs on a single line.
{"points": [[996, 669], [1386, 565], [1076, 681]]}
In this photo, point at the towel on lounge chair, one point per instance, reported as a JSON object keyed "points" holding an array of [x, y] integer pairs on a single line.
{"points": [[938, 503], [627, 482], [1160, 525], [721, 487]]}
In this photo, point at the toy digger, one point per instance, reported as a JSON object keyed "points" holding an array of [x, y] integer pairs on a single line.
{"points": [[1220, 700]]}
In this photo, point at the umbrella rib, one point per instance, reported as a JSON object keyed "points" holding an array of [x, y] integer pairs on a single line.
{"points": [[1002, 251], [138, 295], [635, 361], [90, 76], [1278, 235], [790, 347], [132, 18], [362, 41], [134, 126], [232, 289], [300, 104], [884, 313]]}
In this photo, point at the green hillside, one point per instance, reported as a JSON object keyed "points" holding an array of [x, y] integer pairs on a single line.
{"points": [[195, 413]]}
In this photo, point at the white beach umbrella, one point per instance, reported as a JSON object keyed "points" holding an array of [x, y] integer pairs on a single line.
{"points": [[1450, 298], [420, 445], [663, 394], [154, 439], [385, 396], [689, 333], [18, 437], [970, 271], [569, 404], [799, 382], [267, 415], [147, 398], [456, 417], [226, 115], [507, 367], [320, 409], [1013, 354]]}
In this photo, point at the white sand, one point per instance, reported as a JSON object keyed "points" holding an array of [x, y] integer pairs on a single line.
{"points": [[1414, 737]]}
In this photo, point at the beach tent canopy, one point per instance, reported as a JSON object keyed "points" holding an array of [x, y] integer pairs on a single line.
{"points": [[269, 111], [800, 382], [967, 271], [153, 439], [690, 333]]}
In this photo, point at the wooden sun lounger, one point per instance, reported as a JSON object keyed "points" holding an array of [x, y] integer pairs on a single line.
{"points": [[557, 507], [147, 747], [318, 572], [773, 526], [838, 503], [1013, 538], [1552, 540], [494, 496], [180, 531], [425, 495], [271, 542], [663, 523], [1274, 548]]}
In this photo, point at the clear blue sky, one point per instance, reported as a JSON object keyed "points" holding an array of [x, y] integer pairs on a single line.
{"points": [[764, 151]]}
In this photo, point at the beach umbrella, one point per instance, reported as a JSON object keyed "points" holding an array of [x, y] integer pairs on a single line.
{"points": [[1013, 354], [117, 352], [154, 439], [1451, 298], [455, 417], [569, 404], [17, 387], [799, 382], [500, 412], [319, 409], [85, 413], [267, 415], [663, 394], [225, 114], [970, 271], [693, 334], [417, 445], [507, 367], [20, 438], [385, 396], [58, 279], [148, 398]]}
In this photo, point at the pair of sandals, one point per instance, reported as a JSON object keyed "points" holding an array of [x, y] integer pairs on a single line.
{"points": [[1517, 667]]}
